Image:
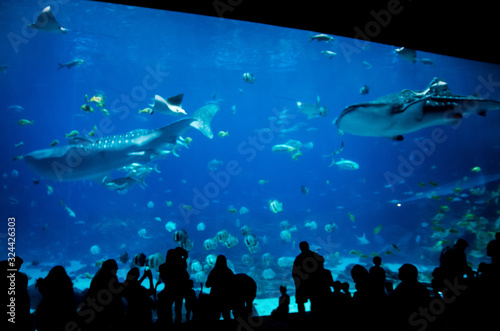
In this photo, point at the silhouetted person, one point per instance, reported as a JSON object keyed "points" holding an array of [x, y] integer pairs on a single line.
{"points": [[220, 281], [306, 264], [175, 276], [453, 262], [57, 306], [377, 275], [138, 314], [409, 295], [322, 282], [283, 307], [104, 308], [244, 291], [190, 300], [490, 273], [361, 278], [345, 289], [21, 315], [338, 298]]}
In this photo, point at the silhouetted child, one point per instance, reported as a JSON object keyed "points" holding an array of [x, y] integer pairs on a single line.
{"points": [[345, 289], [283, 307]]}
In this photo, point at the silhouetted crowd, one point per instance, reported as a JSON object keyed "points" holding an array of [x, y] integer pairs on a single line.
{"points": [[458, 298]]}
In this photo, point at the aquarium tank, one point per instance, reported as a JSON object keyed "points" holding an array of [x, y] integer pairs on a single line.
{"points": [[129, 130]]}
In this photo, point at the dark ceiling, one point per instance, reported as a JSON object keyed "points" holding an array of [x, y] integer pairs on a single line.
{"points": [[466, 29]]}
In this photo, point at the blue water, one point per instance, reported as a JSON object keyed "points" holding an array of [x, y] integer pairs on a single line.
{"points": [[205, 58]]}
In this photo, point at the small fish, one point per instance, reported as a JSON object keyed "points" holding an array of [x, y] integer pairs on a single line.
{"points": [[87, 108], [354, 252], [377, 229], [444, 209], [367, 65], [364, 90], [50, 190], [36, 181], [16, 108], [18, 144], [187, 207], [248, 78], [70, 212], [351, 217], [329, 54], [263, 181], [72, 63], [146, 111], [24, 122], [3, 67], [322, 37], [169, 203], [433, 184], [223, 134], [427, 61], [275, 206], [476, 169], [421, 184], [17, 158], [395, 247], [406, 54], [232, 210], [296, 155], [73, 133], [54, 142], [304, 189], [92, 132]]}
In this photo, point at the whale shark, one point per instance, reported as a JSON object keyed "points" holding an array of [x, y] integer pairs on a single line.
{"points": [[397, 114], [84, 158]]}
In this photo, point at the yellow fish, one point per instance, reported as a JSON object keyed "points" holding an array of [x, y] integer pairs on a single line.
{"points": [[295, 156], [377, 229], [73, 133], [146, 111], [223, 134], [92, 132], [232, 210], [476, 169], [54, 142], [351, 216], [24, 122]]}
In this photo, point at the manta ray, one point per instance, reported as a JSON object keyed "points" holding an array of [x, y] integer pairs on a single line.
{"points": [[397, 114], [47, 22], [83, 158]]}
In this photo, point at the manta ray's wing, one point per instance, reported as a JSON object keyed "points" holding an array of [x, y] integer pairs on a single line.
{"points": [[47, 22], [175, 100]]}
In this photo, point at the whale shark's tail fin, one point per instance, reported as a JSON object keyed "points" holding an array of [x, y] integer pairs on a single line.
{"points": [[202, 117]]}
